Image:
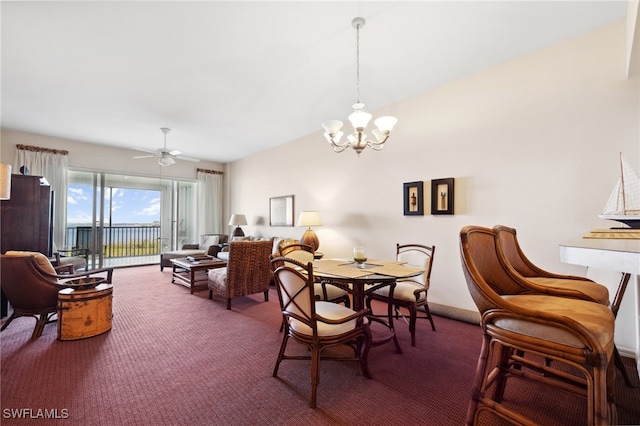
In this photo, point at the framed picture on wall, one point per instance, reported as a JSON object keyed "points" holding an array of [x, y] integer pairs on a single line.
{"points": [[281, 211], [442, 196], [413, 199]]}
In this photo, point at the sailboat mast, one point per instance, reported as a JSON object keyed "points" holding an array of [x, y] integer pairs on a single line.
{"points": [[624, 200]]}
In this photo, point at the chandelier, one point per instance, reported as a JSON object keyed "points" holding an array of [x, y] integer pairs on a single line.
{"points": [[359, 118]]}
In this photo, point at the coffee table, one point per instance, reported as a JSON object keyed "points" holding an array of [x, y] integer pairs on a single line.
{"points": [[194, 274]]}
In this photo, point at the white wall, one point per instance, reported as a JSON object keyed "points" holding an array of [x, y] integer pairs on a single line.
{"points": [[532, 144]]}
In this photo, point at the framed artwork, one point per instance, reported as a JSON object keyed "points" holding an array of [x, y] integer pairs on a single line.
{"points": [[281, 211], [413, 199], [442, 196]]}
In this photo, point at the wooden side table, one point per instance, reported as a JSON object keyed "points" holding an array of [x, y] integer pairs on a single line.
{"points": [[84, 313]]}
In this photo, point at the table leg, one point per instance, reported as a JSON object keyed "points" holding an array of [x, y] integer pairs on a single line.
{"points": [[615, 306]]}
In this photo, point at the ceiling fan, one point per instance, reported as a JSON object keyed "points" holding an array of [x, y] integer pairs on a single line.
{"points": [[166, 157]]}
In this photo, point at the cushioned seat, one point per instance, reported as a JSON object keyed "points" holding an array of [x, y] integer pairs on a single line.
{"points": [[593, 291]]}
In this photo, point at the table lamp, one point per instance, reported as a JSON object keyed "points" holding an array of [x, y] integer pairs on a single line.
{"points": [[237, 220], [309, 219]]}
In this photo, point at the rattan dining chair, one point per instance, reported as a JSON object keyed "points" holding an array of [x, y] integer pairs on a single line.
{"points": [[541, 281], [521, 329], [410, 293], [304, 253], [316, 324]]}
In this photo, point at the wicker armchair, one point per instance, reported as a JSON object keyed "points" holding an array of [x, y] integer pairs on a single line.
{"points": [[247, 272]]}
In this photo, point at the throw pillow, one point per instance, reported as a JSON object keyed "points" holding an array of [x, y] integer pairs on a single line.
{"points": [[207, 241]]}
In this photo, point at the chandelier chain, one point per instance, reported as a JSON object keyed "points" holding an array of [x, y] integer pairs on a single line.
{"points": [[358, 64]]}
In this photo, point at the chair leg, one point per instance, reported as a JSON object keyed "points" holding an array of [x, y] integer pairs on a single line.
{"points": [[41, 321], [620, 364], [315, 373], [229, 303], [266, 295], [477, 393], [429, 317], [11, 318], [283, 346], [412, 323], [210, 294]]}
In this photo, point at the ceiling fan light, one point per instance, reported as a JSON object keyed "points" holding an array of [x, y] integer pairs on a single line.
{"points": [[166, 161]]}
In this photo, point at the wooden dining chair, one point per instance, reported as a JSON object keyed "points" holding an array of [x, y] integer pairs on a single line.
{"points": [[317, 324], [410, 293], [522, 328], [323, 291]]}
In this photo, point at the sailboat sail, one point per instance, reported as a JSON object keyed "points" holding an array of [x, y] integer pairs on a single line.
{"points": [[624, 203]]}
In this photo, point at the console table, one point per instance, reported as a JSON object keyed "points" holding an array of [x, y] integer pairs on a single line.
{"points": [[616, 264]]}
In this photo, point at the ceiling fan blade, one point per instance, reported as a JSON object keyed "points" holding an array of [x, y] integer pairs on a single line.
{"points": [[173, 152], [180, 157], [150, 151], [144, 156]]}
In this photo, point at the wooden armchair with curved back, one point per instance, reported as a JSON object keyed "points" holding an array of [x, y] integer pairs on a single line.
{"points": [[317, 324], [323, 291], [522, 328], [31, 285], [410, 293]]}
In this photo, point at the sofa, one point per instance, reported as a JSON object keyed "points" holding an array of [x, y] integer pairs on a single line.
{"points": [[223, 253], [210, 244]]}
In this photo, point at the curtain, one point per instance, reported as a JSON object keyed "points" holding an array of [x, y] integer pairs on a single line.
{"points": [[53, 165], [210, 191]]}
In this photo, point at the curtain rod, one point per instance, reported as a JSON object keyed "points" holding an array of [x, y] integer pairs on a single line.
{"points": [[38, 149], [213, 172]]}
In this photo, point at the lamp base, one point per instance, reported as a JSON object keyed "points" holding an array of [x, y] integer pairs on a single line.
{"points": [[238, 232], [311, 239]]}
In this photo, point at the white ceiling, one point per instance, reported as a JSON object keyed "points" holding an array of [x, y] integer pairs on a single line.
{"points": [[235, 78]]}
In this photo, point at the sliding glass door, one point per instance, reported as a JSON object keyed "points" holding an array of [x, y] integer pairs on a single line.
{"points": [[128, 220]]}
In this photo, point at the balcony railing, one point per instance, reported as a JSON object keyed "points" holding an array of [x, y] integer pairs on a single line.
{"points": [[118, 241]]}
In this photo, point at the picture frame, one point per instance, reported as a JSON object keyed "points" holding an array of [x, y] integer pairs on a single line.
{"points": [[281, 211], [413, 198], [442, 196]]}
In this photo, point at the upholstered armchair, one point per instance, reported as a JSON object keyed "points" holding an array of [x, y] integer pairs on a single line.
{"points": [[247, 272], [31, 285]]}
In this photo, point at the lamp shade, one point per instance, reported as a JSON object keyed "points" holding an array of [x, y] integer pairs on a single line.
{"points": [[237, 220], [5, 181], [309, 218]]}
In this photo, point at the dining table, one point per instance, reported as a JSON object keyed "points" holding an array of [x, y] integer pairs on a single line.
{"points": [[362, 279]]}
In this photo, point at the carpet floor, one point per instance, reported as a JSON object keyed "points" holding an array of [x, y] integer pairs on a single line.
{"points": [[173, 358]]}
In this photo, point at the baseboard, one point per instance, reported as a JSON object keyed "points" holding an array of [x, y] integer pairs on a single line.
{"points": [[459, 314]]}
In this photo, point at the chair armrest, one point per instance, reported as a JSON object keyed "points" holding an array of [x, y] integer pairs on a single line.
{"points": [[72, 252], [215, 249], [190, 247], [65, 269]]}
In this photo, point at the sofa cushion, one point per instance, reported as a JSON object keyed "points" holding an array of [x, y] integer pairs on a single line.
{"points": [[207, 241]]}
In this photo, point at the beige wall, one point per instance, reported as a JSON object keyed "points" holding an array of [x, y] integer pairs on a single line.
{"points": [[532, 144], [101, 158]]}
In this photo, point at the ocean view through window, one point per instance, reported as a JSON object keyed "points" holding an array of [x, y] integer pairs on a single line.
{"points": [[129, 218]]}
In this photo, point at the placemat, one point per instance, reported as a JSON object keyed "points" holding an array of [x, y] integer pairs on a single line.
{"points": [[631, 234], [341, 269], [397, 270]]}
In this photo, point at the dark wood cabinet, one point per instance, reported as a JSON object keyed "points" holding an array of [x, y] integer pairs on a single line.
{"points": [[26, 217]]}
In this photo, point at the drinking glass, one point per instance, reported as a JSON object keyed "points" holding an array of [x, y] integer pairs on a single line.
{"points": [[359, 256]]}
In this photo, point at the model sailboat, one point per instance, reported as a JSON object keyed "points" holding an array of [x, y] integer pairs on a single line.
{"points": [[624, 202]]}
